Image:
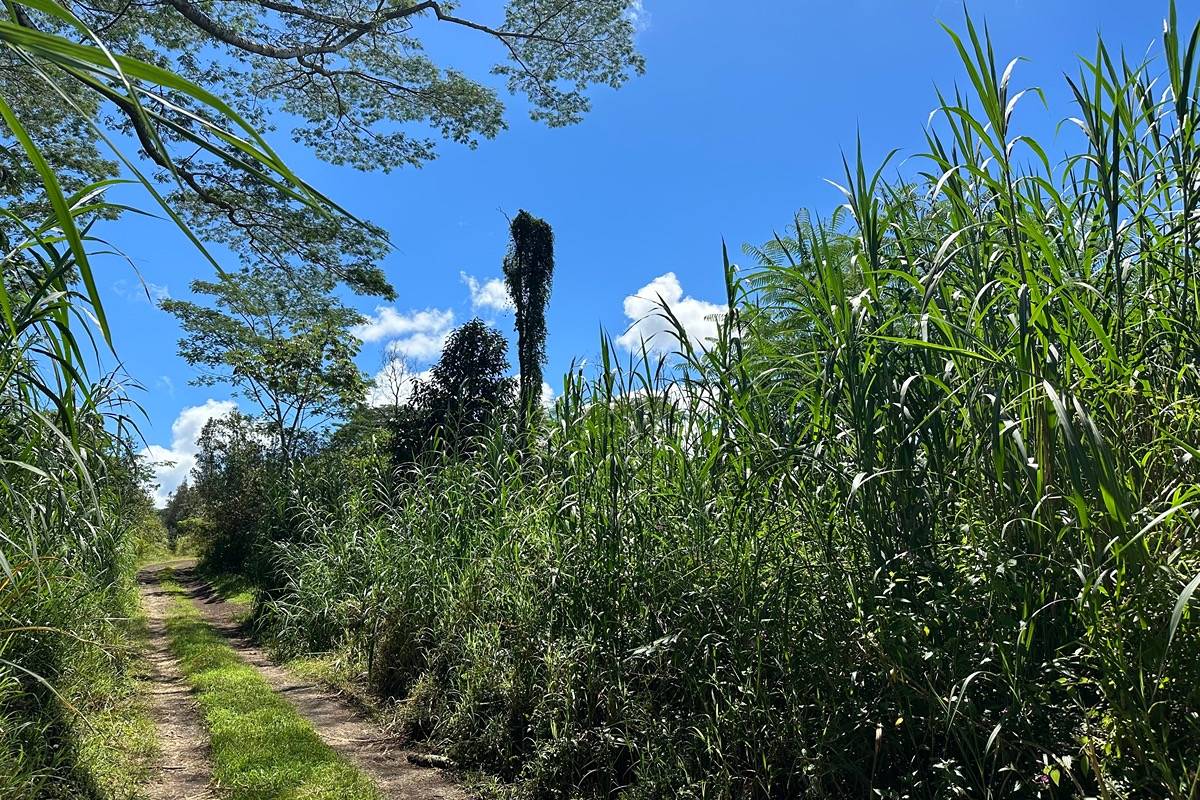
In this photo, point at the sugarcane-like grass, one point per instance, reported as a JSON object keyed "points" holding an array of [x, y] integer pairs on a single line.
{"points": [[920, 522]]}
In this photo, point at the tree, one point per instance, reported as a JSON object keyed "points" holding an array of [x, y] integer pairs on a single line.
{"points": [[528, 271], [466, 393], [394, 383], [281, 340], [74, 513], [351, 76], [237, 483], [387, 404], [183, 503]]}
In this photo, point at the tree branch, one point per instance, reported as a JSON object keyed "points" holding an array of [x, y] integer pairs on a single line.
{"points": [[229, 36]]}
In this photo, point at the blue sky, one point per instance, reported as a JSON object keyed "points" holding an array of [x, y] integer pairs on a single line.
{"points": [[742, 114]]}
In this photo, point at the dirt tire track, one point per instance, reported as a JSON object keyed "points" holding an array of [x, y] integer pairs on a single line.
{"points": [[341, 726], [184, 769]]}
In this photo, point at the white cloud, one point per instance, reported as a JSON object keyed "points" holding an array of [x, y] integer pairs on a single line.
{"points": [[387, 323], [491, 295], [166, 384], [547, 395], [638, 15], [648, 322], [171, 465], [418, 335], [420, 346]]}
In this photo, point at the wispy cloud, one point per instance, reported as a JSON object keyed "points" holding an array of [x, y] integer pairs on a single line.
{"points": [[638, 15], [144, 291]]}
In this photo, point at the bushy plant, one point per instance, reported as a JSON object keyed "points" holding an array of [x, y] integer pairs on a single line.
{"points": [[466, 395], [238, 481], [74, 515]]}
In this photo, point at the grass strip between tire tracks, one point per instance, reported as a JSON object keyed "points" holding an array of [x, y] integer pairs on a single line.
{"points": [[262, 749]]}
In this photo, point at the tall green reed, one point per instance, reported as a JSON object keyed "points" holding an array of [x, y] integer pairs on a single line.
{"points": [[921, 521]]}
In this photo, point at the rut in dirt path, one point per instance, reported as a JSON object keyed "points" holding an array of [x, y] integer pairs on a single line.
{"points": [[184, 770], [382, 757]]}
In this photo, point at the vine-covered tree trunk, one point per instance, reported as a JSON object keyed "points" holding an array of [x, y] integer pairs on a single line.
{"points": [[528, 271]]}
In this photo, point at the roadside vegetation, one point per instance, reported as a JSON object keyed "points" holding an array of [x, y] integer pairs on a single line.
{"points": [[117, 742], [75, 514], [74, 520], [921, 521], [80, 84]]}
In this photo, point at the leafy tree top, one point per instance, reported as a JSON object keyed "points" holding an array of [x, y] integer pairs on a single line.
{"points": [[468, 382], [352, 77], [282, 340], [467, 390]]}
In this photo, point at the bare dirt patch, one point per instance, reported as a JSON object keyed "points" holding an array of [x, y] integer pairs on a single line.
{"points": [[184, 770]]}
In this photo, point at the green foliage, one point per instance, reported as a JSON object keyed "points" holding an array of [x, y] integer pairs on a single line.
{"points": [[150, 538], [75, 75], [74, 514], [73, 518], [68, 540], [368, 426], [528, 272], [465, 395], [282, 341], [195, 535], [114, 739], [352, 79], [921, 521], [238, 482], [184, 503]]}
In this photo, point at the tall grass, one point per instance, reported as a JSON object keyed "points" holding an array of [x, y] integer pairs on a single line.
{"points": [[70, 505], [920, 522], [73, 508]]}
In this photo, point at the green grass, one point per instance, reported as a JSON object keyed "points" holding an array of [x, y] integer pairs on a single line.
{"points": [[110, 734], [92, 735], [117, 744], [117, 752], [331, 670], [261, 747], [345, 674], [920, 521]]}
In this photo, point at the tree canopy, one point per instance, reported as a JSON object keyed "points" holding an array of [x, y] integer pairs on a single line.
{"points": [[466, 391], [353, 79], [235, 478], [282, 341]]}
